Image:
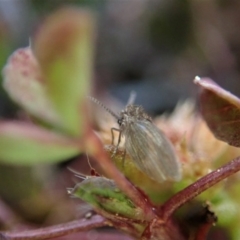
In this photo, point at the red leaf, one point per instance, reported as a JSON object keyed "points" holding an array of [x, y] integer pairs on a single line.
{"points": [[221, 111]]}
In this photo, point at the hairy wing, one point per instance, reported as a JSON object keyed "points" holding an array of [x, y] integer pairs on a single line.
{"points": [[152, 152]]}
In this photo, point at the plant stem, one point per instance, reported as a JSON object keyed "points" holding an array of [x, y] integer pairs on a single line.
{"points": [[57, 230], [203, 231], [187, 194], [95, 147]]}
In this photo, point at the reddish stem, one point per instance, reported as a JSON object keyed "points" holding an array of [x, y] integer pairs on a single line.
{"points": [[95, 147], [203, 231], [57, 230], [95, 235], [187, 194], [204, 228]]}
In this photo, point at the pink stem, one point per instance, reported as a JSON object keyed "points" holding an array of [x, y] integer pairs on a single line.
{"points": [[57, 230], [204, 183]]}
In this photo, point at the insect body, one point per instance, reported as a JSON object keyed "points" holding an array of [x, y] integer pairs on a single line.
{"points": [[148, 147], [150, 150]]}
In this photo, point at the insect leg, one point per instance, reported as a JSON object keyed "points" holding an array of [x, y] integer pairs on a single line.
{"points": [[116, 147], [119, 139]]}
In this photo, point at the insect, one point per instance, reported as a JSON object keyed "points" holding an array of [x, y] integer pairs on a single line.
{"points": [[146, 144]]}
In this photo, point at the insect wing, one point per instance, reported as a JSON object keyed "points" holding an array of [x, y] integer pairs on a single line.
{"points": [[152, 152]]}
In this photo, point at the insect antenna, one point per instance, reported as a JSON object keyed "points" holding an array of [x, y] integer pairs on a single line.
{"points": [[77, 174], [103, 106], [132, 98], [93, 171]]}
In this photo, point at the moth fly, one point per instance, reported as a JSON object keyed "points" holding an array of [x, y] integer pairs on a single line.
{"points": [[149, 148]]}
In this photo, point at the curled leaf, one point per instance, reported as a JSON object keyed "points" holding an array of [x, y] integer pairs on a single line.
{"points": [[26, 144], [221, 111], [23, 81]]}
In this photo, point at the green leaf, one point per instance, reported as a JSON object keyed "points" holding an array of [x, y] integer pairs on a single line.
{"points": [[106, 196], [221, 111], [64, 49], [26, 144], [23, 81]]}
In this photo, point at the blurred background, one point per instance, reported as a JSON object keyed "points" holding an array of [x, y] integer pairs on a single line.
{"points": [[153, 47]]}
